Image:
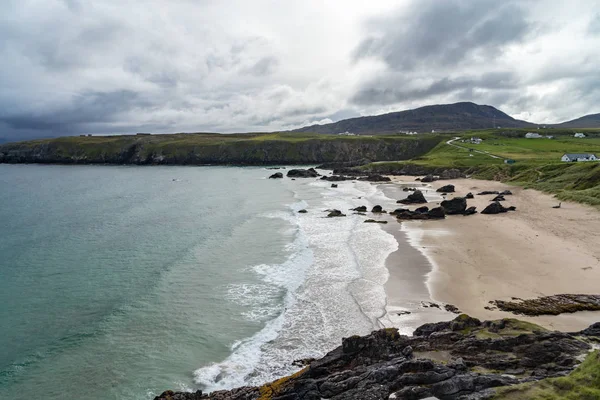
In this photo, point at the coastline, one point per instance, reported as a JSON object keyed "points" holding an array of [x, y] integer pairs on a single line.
{"points": [[535, 251]]}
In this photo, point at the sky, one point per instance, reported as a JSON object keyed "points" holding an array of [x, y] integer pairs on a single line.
{"points": [[125, 66]]}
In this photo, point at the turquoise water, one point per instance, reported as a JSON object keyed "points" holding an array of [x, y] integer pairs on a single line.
{"points": [[117, 282], [122, 282]]}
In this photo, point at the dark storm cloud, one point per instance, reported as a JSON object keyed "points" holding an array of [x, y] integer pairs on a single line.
{"points": [[444, 33], [389, 90]]}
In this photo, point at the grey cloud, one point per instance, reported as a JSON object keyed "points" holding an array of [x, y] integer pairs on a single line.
{"points": [[594, 25], [444, 33], [264, 66]]}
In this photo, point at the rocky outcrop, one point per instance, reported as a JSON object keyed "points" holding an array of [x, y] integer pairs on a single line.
{"points": [[302, 173], [454, 206], [452, 174], [486, 192], [469, 196], [551, 305], [375, 178], [276, 175], [337, 178], [446, 189], [428, 178], [373, 221], [415, 197], [377, 209], [360, 209], [470, 211], [335, 213], [499, 198], [462, 359], [434, 213], [497, 208]]}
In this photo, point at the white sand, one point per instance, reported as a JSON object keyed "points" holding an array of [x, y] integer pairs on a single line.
{"points": [[534, 251]]}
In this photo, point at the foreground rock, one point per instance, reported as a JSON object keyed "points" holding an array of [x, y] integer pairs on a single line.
{"points": [[463, 359], [276, 175], [454, 206], [302, 173], [497, 208], [551, 305], [446, 189], [415, 197]]}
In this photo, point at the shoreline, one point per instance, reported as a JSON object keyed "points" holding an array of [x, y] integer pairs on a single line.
{"points": [[535, 251]]}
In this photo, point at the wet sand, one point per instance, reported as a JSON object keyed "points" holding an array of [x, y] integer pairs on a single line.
{"points": [[468, 261]]}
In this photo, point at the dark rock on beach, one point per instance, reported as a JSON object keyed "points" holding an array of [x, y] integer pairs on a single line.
{"points": [[302, 173], [446, 189], [422, 209], [335, 213], [472, 359], [428, 179], [470, 211], [415, 197], [506, 193], [276, 175], [434, 213], [452, 174], [469, 196], [375, 178], [499, 198], [302, 211], [486, 192], [551, 305], [497, 208], [454, 206], [334, 185], [360, 209], [337, 178], [373, 221], [377, 209]]}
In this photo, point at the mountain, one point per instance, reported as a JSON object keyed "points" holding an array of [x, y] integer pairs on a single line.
{"points": [[587, 121], [442, 117]]}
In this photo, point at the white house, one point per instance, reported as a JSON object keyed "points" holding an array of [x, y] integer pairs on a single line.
{"points": [[532, 135], [577, 157], [476, 140], [579, 135]]}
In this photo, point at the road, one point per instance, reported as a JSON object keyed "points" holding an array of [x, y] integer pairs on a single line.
{"points": [[451, 143]]}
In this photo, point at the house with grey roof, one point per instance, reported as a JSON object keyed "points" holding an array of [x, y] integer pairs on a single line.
{"points": [[577, 157]]}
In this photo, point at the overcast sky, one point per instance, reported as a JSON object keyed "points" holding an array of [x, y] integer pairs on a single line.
{"points": [[126, 66]]}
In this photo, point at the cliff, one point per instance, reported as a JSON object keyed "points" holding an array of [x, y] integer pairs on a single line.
{"points": [[199, 149], [462, 359]]}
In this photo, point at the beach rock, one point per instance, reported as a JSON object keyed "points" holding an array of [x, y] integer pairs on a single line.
{"points": [[452, 174], [415, 197], [506, 193], [302, 173], [335, 213], [334, 185], [446, 189], [377, 209], [451, 308], [409, 189], [470, 211], [454, 206], [498, 198], [373, 221], [551, 305], [469, 196], [337, 178], [302, 211], [375, 178], [360, 209], [170, 395], [497, 208], [422, 209], [399, 210], [276, 175], [486, 192], [436, 213], [428, 179]]}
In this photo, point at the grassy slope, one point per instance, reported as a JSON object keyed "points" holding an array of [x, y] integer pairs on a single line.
{"points": [[581, 384], [537, 166]]}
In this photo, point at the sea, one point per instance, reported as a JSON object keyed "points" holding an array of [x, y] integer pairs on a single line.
{"points": [[120, 282]]}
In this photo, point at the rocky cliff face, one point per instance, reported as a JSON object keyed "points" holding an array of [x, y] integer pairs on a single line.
{"points": [[460, 359], [151, 150]]}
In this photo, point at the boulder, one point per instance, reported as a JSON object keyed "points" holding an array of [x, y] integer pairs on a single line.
{"points": [[436, 213], [498, 198], [375, 178], [415, 197], [454, 206], [469, 196], [452, 174], [497, 208], [486, 192], [360, 209], [428, 178], [335, 213], [423, 209], [375, 221], [276, 175], [399, 210], [302, 173], [336, 178], [334, 185], [470, 211], [446, 189], [303, 211], [377, 209], [506, 193]]}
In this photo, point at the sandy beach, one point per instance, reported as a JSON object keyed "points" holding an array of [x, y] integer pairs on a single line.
{"points": [[536, 251]]}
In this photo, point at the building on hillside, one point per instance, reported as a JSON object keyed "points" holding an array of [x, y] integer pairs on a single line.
{"points": [[579, 135], [532, 135], [476, 140], [578, 157]]}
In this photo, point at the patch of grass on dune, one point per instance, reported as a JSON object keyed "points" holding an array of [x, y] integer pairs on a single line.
{"points": [[581, 384]]}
